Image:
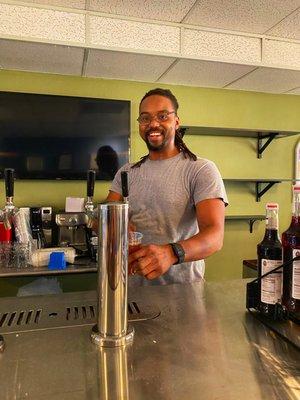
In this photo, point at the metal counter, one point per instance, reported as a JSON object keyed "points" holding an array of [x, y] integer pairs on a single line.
{"points": [[204, 345]]}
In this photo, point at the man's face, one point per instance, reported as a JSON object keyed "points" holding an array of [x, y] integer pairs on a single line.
{"points": [[158, 134]]}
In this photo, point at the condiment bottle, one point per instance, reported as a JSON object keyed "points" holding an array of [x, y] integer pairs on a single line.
{"points": [[291, 249], [269, 252]]}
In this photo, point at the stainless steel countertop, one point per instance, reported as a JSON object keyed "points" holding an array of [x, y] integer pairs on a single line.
{"points": [[204, 345]]}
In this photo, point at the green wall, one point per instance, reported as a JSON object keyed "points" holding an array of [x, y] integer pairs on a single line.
{"points": [[235, 157]]}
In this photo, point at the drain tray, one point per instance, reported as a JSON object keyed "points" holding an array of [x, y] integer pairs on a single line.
{"points": [[30, 314]]}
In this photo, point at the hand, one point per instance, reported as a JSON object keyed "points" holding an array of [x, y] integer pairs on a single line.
{"points": [[151, 261]]}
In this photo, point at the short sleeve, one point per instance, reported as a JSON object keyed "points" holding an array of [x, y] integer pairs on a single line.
{"points": [[207, 183]]}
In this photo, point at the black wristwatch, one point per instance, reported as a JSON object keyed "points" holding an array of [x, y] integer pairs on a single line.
{"points": [[179, 252]]}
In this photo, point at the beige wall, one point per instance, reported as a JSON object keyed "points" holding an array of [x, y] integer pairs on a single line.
{"points": [[235, 157]]}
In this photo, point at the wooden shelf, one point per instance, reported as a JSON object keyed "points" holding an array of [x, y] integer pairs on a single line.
{"points": [[263, 137], [250, 218], [262, 185], [249, 133]]}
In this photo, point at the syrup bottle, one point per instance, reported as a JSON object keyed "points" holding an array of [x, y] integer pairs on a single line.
{"points": [[269, 253], [291, 249]]}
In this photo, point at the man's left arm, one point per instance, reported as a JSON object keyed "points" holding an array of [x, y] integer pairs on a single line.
{"points": [[152, 260], [209, 239]]}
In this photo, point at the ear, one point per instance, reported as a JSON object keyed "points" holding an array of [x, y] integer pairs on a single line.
{"points": [[177, 122]]}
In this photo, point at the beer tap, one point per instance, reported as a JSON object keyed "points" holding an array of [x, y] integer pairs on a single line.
{"points": [[9, 210], [91, 176], [89, 205], [124, 181]]}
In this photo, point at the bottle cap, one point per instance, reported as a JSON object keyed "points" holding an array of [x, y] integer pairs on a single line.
{"points": [[272, 206], [296, 188]]}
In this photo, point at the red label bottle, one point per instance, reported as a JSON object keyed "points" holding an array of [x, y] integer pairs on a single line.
{"points": [[291, 249], [269, 252]]}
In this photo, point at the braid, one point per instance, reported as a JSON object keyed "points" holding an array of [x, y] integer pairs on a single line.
{"points": [[181, 146], [139, 163]]}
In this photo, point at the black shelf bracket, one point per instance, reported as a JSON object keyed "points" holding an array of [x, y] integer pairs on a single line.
{"points": [[261, 147], [251, 222], [260, 192]]}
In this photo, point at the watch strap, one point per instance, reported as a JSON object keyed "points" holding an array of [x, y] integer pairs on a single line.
{"points": [[178, 252]]}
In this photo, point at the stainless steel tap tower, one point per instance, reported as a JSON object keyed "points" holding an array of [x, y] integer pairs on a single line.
{"points": [[111, 329]]}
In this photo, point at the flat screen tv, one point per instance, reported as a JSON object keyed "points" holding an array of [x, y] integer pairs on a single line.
{"points": [[61, 137]]}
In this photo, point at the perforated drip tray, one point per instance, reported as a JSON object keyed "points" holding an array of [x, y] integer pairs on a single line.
{"points": [[22, 316]]}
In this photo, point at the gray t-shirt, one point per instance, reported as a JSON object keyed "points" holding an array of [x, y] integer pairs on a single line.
{"points": [[162, 199]]}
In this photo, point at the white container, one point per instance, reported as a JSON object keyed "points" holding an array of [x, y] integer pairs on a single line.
{"points": [[40, 257]]}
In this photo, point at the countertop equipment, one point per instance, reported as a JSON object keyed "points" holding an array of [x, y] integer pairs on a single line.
{"points": [[74, 227]]}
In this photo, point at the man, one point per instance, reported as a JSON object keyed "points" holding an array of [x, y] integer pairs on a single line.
{"points": [[176, 200]]}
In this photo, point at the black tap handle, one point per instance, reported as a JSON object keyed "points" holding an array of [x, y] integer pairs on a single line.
{"points": [[91, 176], [9, 181], [124, 180]]}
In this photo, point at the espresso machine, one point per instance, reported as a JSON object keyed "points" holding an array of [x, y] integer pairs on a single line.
{"points": [[74, 227]]}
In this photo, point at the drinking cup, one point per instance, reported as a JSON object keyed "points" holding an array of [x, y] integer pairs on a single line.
{"points": [[134, 241], [6, 255], [21, 255]]}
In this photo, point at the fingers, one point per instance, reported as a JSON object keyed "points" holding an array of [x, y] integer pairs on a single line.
{"points": [[138, 253], [149, 261], [152, 275], [143, 266]]}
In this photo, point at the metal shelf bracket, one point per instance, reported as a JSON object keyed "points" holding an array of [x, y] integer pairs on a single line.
{"points": [[251, 222], [261, 147], [260, 192]]}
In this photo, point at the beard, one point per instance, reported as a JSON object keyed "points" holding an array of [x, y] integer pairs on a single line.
{"points": [[155, 147]]}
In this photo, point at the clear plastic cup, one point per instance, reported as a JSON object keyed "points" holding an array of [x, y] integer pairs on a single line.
{"points": [[14, 255], [134, 243], [134, 240]]}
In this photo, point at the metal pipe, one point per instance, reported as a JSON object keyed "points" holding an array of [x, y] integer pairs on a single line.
{"points": [[113, 373], [111, 329]]}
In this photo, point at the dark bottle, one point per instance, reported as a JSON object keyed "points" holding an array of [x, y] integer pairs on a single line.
{"points": [[291, 249], [269, 253]]}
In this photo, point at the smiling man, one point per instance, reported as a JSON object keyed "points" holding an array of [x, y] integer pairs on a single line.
{"points": [[175, 199]]}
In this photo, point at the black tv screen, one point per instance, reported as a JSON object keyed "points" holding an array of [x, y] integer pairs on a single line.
{"points": [[61, 137]]}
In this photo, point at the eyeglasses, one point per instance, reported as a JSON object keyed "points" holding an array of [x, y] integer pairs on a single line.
{"points": [[162, 116]]}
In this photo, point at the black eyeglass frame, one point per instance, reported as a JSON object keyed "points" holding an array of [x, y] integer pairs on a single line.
{"points": [[167, 113]]}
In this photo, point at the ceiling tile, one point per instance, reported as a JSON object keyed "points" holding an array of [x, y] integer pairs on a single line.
{"points": [[153, 9], [235, 48], [45, 24], [268, 80], [241, 15], [288, 28], [279, 52], [40, 57], [204, 73], [117, 65], [118, 33], [61, 3]]}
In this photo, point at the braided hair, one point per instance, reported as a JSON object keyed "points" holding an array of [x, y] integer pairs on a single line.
{"points": [[179, 143]]}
